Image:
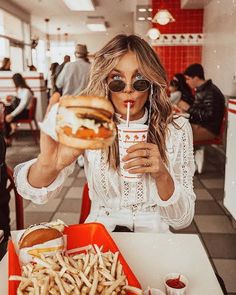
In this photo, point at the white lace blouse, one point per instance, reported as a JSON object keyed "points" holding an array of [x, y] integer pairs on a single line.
{"points": [[134, 205]]}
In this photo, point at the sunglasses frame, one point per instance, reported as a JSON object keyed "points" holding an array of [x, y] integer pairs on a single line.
{"points": [[125, 84]]}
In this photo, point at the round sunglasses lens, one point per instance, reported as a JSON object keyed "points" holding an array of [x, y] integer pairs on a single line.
{"points": [[141, 85], [116, 85]]}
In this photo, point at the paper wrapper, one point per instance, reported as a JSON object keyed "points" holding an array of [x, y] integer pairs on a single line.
{"points": [[48, 125], [47, 249]]}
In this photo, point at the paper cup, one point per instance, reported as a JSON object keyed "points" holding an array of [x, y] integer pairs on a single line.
{"points": [[127, 137], [153, 291], [175, 291]]}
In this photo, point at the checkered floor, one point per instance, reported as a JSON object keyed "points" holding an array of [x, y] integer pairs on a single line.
{"points": [[212, 222]]}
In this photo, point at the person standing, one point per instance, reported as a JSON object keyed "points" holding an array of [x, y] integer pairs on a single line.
{"points": [[74, 76], [207, 111]]}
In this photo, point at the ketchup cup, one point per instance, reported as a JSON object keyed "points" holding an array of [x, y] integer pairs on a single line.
{"points": [[176, 284]]}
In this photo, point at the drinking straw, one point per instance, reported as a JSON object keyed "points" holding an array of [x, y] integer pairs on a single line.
{"points": [[128, 114]]}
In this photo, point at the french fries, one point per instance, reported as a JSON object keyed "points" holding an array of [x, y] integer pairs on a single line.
{"points": [[89, 272]]}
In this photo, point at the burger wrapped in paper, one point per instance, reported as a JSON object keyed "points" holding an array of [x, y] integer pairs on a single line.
{"points": [[40, 239], [85, 122]]}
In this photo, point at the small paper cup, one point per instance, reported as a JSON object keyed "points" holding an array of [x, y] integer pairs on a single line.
{"points": [[127, 137], [153, 292], [175, 291]]}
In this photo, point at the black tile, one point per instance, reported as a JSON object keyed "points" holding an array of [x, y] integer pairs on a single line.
{"points": [[217, 193], [191, 229], [220, 245], [208, 208], [210, 175]]}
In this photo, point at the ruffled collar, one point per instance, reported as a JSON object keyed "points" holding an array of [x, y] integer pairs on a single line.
{"points": [[141, 120]]}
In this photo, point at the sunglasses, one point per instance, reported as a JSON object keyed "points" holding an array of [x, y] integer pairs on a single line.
{"points": [[141, 85]]}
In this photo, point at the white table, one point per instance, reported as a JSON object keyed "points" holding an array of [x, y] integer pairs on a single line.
{"points": [[152, 256]]}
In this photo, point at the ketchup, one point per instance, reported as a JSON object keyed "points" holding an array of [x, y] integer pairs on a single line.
{"points": [[175, 283]]}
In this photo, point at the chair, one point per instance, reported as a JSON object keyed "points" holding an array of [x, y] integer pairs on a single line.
{"points": [[31, 118], [18, 199], [218, 140], [86, 204]]}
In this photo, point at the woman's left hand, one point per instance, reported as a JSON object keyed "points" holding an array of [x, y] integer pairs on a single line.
{"points": [[145, 158], [9, 118]]}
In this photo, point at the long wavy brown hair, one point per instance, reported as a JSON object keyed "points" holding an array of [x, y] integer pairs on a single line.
{"points": [[150, 67]]}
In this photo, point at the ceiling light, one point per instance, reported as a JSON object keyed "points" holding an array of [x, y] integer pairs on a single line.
{"points": [[141, 18], [96, 25], [153, 33], [142, 9], [80, 5], [163, 17]]}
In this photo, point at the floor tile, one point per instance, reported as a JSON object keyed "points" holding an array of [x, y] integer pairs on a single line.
{"points": [[62, 193], [227, 270], [74, 193], [208, 207], [191, 229], [79, 182], [221, 245], [81, 173], [214, 224], [217, 193], [202, 194], [70, 205], [68, 181], [50, 206], [36, 217], [68, 218], [12, 217], [197, 184], [213, 183], [76, 171]]}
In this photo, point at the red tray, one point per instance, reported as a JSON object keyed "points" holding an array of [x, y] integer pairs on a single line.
{"points": [[78, 235]]}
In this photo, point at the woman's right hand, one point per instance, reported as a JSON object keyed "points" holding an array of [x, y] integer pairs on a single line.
{"points": [[53, 157]]}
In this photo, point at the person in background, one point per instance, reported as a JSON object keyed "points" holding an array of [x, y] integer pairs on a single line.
{"points": [[175, 94], [18, 109], [4, 194], [207, 111], [125, 69], [187, 97], [74, 76], [51, 85], [6, 64], [32, 68]]}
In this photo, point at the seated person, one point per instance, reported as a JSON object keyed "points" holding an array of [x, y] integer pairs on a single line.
{"points": [[207, 111], [187, 97], [175, 94], [4, 195], [18, 109]]}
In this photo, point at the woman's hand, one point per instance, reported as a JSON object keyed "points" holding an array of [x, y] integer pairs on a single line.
{"points": [[52, 159], [145, 158]]}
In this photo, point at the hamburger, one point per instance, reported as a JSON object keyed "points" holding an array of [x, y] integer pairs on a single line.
{"points": [[85, 122], [40, 239]]}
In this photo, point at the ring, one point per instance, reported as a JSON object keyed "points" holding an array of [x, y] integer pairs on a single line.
{"points": [[148, 164], [147, 153]]}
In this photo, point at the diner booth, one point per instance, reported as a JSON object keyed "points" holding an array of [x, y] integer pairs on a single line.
{"points": [[35, 81]]}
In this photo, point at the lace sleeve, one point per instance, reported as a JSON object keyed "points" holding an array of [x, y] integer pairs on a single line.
{"points": [[178, 211], [38, 195]]}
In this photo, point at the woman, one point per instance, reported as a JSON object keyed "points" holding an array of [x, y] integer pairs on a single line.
{"points": [[19, 107], [6, 64], [164, 196], [175, 93], [52, 78], [187, 97]]}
